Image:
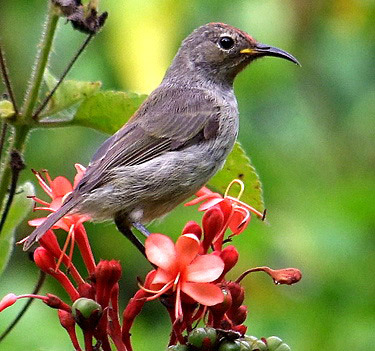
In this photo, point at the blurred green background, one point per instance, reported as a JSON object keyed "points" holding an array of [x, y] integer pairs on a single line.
{"points": [[309, 131]]}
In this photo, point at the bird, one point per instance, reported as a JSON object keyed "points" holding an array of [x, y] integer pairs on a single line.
{"points": [[175, 142]]}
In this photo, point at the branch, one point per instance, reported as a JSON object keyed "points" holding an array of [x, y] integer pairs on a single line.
{"points": [[41, 63], [68, 68], [4, 129], [16, 165]]}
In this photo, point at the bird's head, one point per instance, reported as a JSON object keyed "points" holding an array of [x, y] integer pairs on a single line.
{"points": [[222, 51]]}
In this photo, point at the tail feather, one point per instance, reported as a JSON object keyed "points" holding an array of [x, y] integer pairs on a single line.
{"points": [[48, 223]]}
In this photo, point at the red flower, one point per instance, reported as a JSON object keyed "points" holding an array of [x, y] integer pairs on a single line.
{"points": [[57, 189], [236, 213], [182, 270]]}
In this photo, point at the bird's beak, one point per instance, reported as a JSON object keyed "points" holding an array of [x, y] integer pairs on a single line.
{"points": [[261, 50]]}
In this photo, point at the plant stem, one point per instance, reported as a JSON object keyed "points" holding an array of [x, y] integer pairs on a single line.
{"points": [[70, 65], [41, 63], [5, 76], [38, 286], [24, 121], [17, 143]]}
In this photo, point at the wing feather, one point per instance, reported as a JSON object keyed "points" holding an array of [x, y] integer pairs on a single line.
{"points": [[174, 118]]}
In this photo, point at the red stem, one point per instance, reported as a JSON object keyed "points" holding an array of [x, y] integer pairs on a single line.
{"points": [[85, 249]]}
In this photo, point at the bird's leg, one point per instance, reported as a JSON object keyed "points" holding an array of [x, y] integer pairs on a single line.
{"points": [[141, 228], [124, 228]]}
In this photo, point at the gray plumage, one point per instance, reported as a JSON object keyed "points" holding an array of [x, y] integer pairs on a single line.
{"points": [[176, 141]]}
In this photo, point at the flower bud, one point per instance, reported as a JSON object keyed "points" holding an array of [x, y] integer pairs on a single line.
{"points": [[238, 294], [287, 276], [106, 275], [55, 302], [220, 309], [178, 348], [276, 344], [230, 257], [108, 272], [202, 337], [239, 315], [228, 345], [86, 313], [44, 260], [192, 227], [244, 345], [212, 222], [7, 300]]}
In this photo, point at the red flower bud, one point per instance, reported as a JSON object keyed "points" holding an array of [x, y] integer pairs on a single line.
{"points": [[230, 257], [212, 222], [106, 275], [239, 315], [238, 294], [192, 227], [44, 260], [287, 276], [7, 300], [55, 302]]}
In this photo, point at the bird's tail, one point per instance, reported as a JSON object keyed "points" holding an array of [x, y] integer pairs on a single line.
{"points": [[48, 223]]}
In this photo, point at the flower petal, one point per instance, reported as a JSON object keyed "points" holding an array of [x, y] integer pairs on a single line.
{"points": [[160, 251], [187, 248], [205, 293], [80, 173], [60, 186], [205, 269], [239, 220], [212, 202], [162, 277], [37, 221]]}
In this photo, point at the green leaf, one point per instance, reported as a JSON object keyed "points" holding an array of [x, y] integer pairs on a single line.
{"points": [[238, 166], [69, 93], [107, 111], [21, 206]]}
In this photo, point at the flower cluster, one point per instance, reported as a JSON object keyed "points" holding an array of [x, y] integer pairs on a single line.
{"points": [[189, 278]]}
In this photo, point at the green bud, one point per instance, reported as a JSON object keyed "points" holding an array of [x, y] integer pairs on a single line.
{"points": [[227, 345], [85, 307], [259, 345], [276, 344], [177, 348], [6, 109], [198, 337], [250, 339], [244, 345]]}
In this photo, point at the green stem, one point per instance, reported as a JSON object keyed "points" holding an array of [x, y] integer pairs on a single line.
{"points": [[41, 63]]}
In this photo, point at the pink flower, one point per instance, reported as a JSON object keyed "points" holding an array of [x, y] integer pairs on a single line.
{"points": [[182, 270]]}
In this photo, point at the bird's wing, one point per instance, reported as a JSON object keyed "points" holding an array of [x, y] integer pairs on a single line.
{"points": [[166, 121]]}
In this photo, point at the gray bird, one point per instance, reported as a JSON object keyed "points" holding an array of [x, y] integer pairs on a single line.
{"points": [[177, 139]]}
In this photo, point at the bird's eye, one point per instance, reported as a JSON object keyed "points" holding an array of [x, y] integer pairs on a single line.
{"points": [[226, 43]]}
